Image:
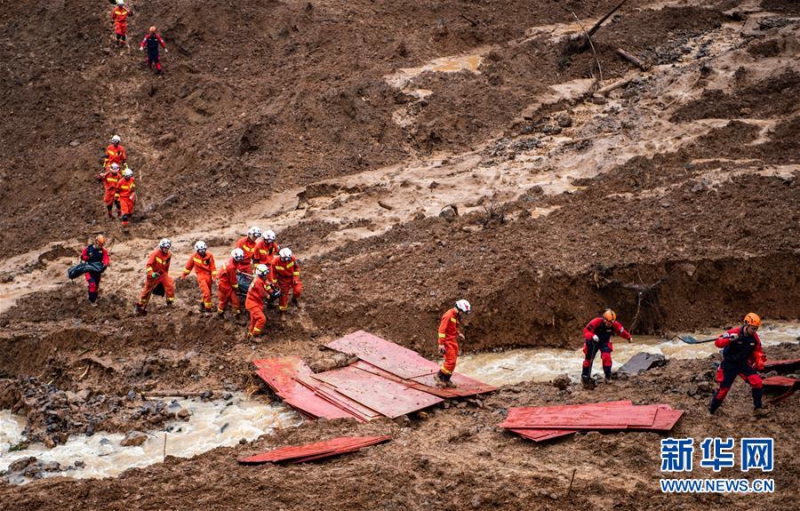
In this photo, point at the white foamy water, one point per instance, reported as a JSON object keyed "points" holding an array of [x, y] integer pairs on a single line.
{"points": [[212, 424], [544, 364]]}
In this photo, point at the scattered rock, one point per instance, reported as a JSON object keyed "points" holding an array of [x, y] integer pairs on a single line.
{"points": [[449, 213], [21, 464], [564, 120], [183, 414], [561, 382], [133, 438]]}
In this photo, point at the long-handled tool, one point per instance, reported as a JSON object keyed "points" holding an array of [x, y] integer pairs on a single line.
{"points": [[688, 339]]}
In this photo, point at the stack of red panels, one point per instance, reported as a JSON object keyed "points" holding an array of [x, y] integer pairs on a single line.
{"points": [[315, 451], [387, 381], [782, 366], [548, 422]]}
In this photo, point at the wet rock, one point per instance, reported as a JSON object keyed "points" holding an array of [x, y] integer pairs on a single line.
{"points": [[561, 382], [564, 120], [74, 143], [80, 464], [449, 213], [700, 187], [183, 414], [133, 439], [52, 466], [205, 396], [21, 464], [131, 395]]}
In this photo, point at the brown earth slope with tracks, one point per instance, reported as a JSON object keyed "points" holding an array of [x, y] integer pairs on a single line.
{"points": [[673, 199]]}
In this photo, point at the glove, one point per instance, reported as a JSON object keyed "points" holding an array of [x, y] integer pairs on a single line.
{"points": [[441, 349], [630, 340], [595, 338], [730, 337], [141, 49], [166, 50], [154, 275]]}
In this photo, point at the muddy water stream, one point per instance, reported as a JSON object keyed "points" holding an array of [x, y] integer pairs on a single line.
{"points": [[544, 364], [212, 424]]}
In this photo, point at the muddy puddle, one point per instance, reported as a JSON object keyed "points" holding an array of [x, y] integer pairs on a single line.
{"points": [[544, 364], [212, 424]]}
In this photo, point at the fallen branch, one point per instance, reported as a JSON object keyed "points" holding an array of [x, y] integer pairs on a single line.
{"points": [[472, 22], [602, 20], [614, 86], [172, 393], [632, 59], [589, 38]]}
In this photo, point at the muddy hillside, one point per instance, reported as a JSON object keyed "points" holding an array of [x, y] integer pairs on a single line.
{"points": [[410, 154]]}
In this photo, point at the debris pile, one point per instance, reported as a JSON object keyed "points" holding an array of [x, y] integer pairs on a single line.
{"points": [[386, 381], [547, 422]]}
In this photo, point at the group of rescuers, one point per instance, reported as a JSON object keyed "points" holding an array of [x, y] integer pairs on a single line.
{"points": [[276, 274]]}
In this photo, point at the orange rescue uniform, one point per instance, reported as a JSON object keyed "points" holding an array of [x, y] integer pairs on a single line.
{"points": [[259, 292], [287, 274], [265, 253], [228, 284], [111, 183], [248, 247], [448, 337], [126, 194], [115, 154], [205, 268], [158, 262], [120, 17]]}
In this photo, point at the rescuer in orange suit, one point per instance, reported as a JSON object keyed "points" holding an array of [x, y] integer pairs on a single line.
{"points": [[126, 196], [157, 272], [287, 274], [115, 153], [205, 268], [448, 342], [597, 337], [260, 291], [110, 180], [228, 283], [248, 244], [119, 15], [266, 249]]}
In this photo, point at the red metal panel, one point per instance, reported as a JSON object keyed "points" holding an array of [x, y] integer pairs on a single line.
{"points": [[583, 417], [387, 397], [519, 416], [386, 355], [316, 450], [330, 394], [540, 435], [469, 389], [279, 373], [780, 381], [665, 420]]}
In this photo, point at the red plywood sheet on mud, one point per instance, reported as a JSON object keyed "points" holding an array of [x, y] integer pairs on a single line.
{"points": [[523, 414], [582, 417], [782, 366], [470, 386], [387, 397], [781, 381], [540, 435], [386, 355], [280, 374], [317, 450], [665, 420]]}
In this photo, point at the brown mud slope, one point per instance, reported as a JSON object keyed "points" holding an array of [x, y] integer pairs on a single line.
{"points": [[456, 457], [673, 199], [258, 96]]}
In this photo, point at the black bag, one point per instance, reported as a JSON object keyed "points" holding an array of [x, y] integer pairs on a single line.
{"points": [[81, 268], [159, 289]]}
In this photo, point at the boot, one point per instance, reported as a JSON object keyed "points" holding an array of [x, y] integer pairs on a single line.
{"points": [[607, 374], [715, 404], [220, 314], [140, 310], [760, 412]]}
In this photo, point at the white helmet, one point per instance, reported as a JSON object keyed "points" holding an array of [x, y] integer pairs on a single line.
{"points": [[119, 2], [127, 173], [165, 243], [116, 139], [254, 232], [200, 246], [262, 270], [285, 254], [463, 306], [114, 167], [269, 236], [237, 254]]}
